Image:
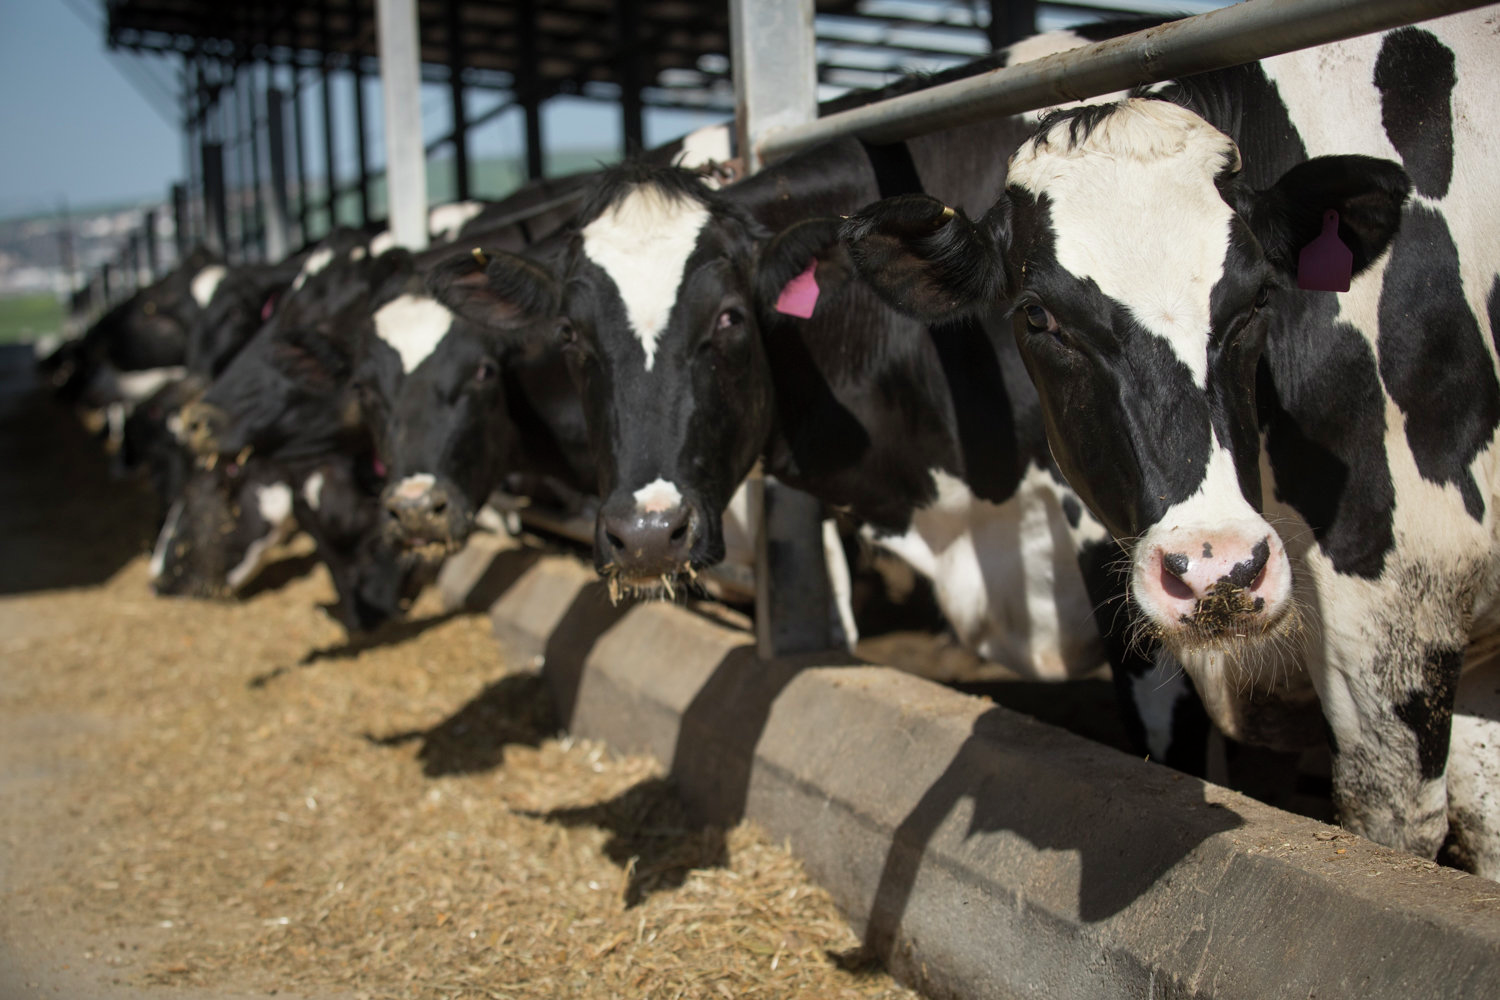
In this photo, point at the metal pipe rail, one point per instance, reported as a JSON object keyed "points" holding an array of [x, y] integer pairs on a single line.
{"points": [[1218, 39]]}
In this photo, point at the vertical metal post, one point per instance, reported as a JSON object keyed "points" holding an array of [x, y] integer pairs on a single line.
{"points": [[301, 151], [257, 193], [148, 234], [628, 68], [405, 153], [362, 154], [775, 84], [775, 69], [180, 224], [1010, 21], [456, 92], [104, 283], [215, 211], [529, 85], [278, 214], [330, 174], [228, 142]]}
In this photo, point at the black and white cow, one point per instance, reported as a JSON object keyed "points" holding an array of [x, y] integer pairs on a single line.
{"points": [[456, 409], [1304, 482], [690, 375], [243, 300], [140, 343]]}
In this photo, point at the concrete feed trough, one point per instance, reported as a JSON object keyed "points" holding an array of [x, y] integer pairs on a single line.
{"points": [[979, 852]]}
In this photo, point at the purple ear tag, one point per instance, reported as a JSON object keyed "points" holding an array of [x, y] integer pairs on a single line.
{"points": [[1326, 265], [800, 295]]}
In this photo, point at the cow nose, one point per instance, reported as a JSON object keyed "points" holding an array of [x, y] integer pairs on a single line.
{"points": [[1215, 582], [419, 509], [201, 427], [647, 543]]}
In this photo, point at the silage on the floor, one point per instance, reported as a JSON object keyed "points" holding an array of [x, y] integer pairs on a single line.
{"points": [[395, 819]]}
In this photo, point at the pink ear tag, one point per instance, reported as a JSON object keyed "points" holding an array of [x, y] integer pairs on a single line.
{"points": [[800, 295], [1326, 265], [268, 308]]}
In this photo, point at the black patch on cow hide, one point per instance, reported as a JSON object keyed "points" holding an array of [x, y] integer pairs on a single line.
{"points": [[1321, 404], [1072, 510], [1415, 76], [1432, 356], [1428, 712]]}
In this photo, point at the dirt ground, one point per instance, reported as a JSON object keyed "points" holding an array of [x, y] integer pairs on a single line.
{"points": [[231, 800]]}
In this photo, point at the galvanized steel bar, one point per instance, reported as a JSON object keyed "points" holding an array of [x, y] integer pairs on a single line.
{"points": [[278, 205], [775, 70], [1255, 29], [406, 162]]}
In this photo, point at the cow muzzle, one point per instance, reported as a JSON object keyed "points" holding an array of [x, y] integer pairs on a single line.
{"points": [[1201, 588], [646, 547], [201, 428], [425, 518]]}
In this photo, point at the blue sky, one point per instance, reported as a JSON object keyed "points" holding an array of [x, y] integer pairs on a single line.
{"points": [[75, 126]]}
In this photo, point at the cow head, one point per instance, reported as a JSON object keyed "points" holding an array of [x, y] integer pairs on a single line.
{"points": [[655, 312], [1142, 274], [220, 529], [287, 391], [432, 386]]}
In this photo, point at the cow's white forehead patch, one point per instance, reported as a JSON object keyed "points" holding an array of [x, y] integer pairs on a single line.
{"points": [[206, 282], [413, 325], [274, 502], [381, 243], [312, 490], [657, 496], [315, 262], [446, 221], [416, 486], [643, 242], [1135, 208]]}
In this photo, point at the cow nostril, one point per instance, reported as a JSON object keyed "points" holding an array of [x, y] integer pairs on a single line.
{"points": [[1173, 585], [439, 506], [681, 531], [615, 540]]}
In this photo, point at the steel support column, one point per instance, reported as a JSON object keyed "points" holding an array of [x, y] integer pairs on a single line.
{"points": [[628, 69], [181, 237], [330, 199], [215, 211], [257, 193], [301, 152], [362, 153], [406, 161], [278, 205], [775, 85], [148, 234], [456, 99], [529, 87]]}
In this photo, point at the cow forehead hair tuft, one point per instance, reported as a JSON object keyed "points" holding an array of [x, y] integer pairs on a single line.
{"points": [[1141, 129], [664, 185]]}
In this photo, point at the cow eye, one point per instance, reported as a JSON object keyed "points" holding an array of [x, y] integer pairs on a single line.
{"points": [[567, 332], [486, 371], [1263, 296], [729, 318], [1040, 320]]}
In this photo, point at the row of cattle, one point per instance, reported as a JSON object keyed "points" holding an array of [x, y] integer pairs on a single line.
{"points": [[1062, 365]]}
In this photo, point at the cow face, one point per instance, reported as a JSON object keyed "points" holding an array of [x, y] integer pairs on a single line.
{"points": [[1141, 276], [220, 529], [288, 390], [431, 387], [657, 325]]}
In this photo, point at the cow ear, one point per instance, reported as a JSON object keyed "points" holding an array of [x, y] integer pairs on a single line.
{"points": [[801, 266], [1366, 192], [494, 289], [923, 258]]}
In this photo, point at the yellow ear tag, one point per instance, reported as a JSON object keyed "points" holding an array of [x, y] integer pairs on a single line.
{"points": [[480, 257], [948, 213], [149, 308]]}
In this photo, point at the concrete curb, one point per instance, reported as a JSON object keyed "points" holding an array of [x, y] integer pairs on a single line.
{"points": [[981, 853]]}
